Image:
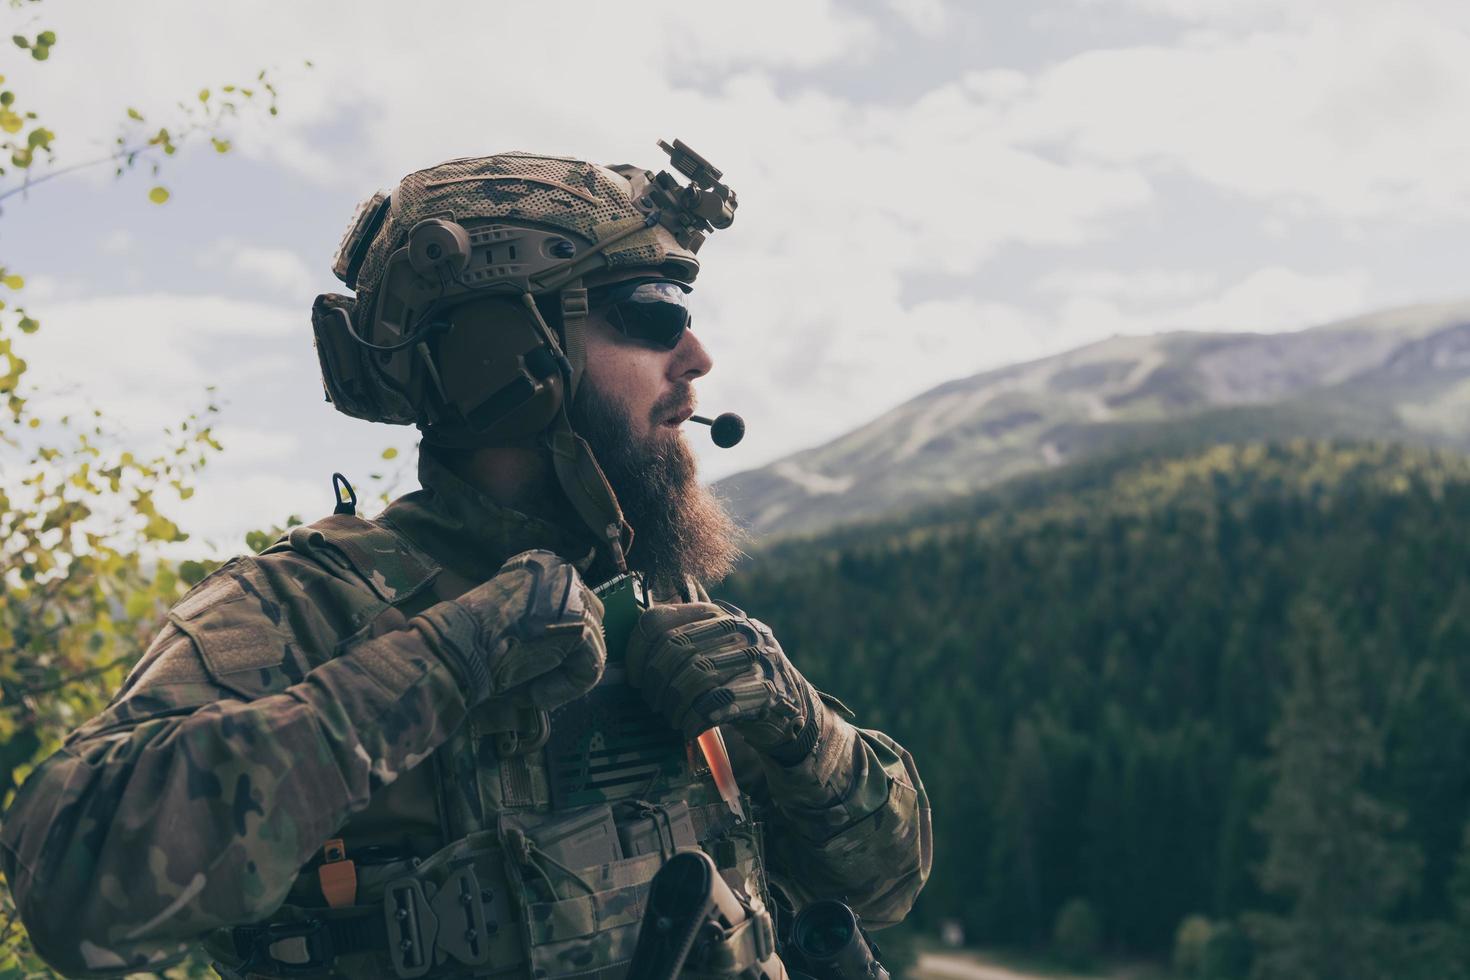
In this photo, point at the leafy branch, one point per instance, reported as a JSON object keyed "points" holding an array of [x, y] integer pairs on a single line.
{"points": [[205, 116], [85, 570]]}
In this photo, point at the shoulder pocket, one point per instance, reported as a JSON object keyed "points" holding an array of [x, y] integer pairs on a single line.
{"points": [[234, 620], [389, 564]]}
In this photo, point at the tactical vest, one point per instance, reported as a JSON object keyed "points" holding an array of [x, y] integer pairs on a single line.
{"points": [[520, 849]]}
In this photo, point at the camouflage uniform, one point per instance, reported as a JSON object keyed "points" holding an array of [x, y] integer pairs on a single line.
{"points": [[293, 697]]}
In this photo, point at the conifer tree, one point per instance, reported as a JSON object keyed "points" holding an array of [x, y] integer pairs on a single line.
{"points": [[1447, 945], [1332, 856], [1016, 854]]}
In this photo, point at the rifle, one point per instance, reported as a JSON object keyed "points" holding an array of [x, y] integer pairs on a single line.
{"points": [[693, 917]]}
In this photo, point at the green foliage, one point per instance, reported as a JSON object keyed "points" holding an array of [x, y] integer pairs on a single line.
{"points": [[258, 541], [39, 47], [1191, 947], [85, 577], [1451, 943], [83, 589], [1087, 666], [1077, 934], [27, 142], [1229, 953], [1210, 950]]}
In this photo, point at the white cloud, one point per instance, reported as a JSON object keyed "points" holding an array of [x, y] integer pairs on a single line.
{"points": [[40, 289], [1134, 285], [769, 33], [1254, 14], [928, 17], [224, 508], [246, 446], [1356, 115], [1274, 299], [146, 359], [1267, 300], [119, 241], [1355, 108], [567, 76], [279, 270]]}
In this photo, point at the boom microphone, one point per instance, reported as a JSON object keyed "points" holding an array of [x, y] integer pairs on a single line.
{"points": [[725, 429]]}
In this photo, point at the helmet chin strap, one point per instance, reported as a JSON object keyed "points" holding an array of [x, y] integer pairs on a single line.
{"points": [[587, 488], [576, 468], [574, 326]]}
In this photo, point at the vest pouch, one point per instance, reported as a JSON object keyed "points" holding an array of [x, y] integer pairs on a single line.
{"points": [[644, 828], [591, 934], [547, 845], [583, 898]]}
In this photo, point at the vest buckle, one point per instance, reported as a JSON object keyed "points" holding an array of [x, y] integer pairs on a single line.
{"points": [[463, 928], [412, 928]]}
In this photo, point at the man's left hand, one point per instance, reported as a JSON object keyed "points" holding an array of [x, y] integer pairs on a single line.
{"points": [[704, 664]]}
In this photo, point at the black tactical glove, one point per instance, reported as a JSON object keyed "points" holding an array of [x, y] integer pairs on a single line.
{"points": [[703, 664], [533, 633]]}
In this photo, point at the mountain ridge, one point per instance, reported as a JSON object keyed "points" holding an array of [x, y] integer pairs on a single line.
{"points": [[1400, 374]]}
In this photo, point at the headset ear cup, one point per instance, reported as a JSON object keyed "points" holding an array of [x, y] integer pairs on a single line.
{"points": [[498, 376]]}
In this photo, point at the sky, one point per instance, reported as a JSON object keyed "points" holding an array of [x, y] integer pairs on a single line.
{"points": [[928, 189]]}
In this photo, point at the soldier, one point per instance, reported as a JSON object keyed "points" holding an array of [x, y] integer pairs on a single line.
{"points": [[402, 746]]}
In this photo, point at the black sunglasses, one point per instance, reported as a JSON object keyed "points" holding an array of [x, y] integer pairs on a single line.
{"points": [[656, 312]]}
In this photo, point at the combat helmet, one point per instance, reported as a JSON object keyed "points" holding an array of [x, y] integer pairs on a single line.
{"points": [[471, 283]]}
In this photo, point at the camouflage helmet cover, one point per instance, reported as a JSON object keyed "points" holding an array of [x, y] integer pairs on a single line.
{"points": [[586, 200], [538, 224]]}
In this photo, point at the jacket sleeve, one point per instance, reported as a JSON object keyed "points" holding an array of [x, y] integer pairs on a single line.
{"points": [[850, 821], [185, 806]]}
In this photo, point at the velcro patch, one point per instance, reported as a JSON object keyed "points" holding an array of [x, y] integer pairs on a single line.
{"points": [[229, 647], [234, 628], [219, 588]]}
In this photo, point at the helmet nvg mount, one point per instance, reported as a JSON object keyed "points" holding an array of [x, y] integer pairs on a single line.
{"points": [[471, 280]]}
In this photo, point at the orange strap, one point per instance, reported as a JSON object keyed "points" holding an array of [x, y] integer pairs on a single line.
{"points": [[337, 874]]}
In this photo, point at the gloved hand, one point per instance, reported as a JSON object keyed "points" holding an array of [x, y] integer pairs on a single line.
{"points": [[533, 632], [703, 664]]}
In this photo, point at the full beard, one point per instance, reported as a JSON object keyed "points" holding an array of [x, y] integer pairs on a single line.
{"points": [[681, 529]]}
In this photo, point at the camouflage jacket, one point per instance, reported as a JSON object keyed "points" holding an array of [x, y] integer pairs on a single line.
{"points": [[292, 698]]}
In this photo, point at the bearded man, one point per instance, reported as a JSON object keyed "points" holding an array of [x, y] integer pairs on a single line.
{"points": [[410, 746]]}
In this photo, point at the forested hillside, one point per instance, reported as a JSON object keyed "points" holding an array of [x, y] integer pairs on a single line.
{"points": [[1228, 684]]}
